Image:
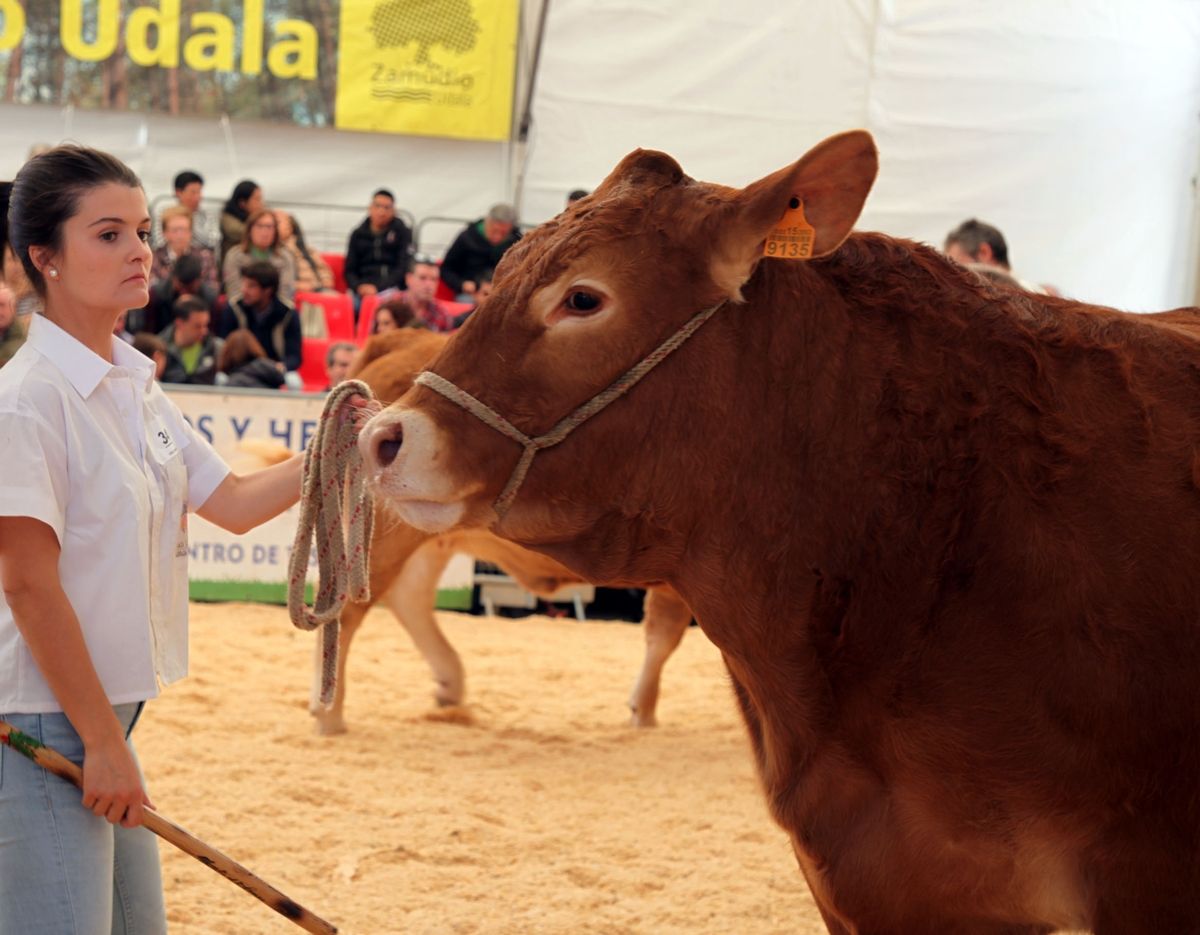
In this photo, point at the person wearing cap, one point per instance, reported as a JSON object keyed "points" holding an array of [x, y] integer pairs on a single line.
{"points": [[477, 249]]}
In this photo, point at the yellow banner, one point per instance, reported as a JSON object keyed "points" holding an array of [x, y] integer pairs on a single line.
{"points": [[431, 67]]}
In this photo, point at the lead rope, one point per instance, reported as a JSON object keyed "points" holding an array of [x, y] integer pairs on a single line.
{"points": [[336, 508], [615, 390]]}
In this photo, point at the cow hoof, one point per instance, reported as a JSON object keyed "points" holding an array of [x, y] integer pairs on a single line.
{"points": [[328, 727], [445, 701], [642, 720], [451, 714]]}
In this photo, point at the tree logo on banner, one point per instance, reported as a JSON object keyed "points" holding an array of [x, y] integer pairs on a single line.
{"points": [[448, 23]]}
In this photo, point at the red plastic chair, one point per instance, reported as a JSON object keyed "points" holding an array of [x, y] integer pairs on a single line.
{"points": [[445, 293], [312, 364], [339, 312], [366, 316], [337, 265]]}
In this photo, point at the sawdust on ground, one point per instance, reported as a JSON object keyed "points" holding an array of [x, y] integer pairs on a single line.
{"points": [[533, 809]]}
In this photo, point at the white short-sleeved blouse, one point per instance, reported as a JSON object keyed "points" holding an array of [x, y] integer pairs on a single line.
{"points": [[101, 455]]}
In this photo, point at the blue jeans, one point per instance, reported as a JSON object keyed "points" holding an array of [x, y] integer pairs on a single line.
{"points": [[64, 870]]}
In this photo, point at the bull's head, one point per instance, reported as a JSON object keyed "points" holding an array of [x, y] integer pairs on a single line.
{"points": [[576, 304]]}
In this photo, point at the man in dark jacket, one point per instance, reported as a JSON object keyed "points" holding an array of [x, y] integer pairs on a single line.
{"points": [[277, 326], [191, 351], [476, 251], [377, 254]]}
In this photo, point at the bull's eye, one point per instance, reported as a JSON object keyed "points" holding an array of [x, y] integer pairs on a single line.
{"points": [[582, 303]]}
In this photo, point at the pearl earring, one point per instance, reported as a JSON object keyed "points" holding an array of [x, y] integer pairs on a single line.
{"points": [[53, 273]]}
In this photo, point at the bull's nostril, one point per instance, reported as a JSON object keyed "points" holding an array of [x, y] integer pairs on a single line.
{"points": [[388, 450], [390, 447]]}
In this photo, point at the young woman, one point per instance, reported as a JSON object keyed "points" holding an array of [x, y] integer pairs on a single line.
{"points": [[246, 198], [397, 312], [312, 272], [385, 320], [260, 244], [100, 470]]}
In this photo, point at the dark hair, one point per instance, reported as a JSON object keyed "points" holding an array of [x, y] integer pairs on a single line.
{"points": [[149, 343], [5, 191], [402, 312], [186, 305], [187, 268], [46, 193], [385, 193], [186, 178], [973, 233], [263, 273], [242, 191], [240, 347]]}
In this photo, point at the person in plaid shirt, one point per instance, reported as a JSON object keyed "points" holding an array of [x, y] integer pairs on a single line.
{"points": [[421, 295]]}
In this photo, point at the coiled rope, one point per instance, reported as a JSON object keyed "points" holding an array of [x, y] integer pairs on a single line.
{"points": [[335, 507]]}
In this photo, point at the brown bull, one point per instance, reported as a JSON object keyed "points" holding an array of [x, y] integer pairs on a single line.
{"points": [[407, 563], [946, 535]]}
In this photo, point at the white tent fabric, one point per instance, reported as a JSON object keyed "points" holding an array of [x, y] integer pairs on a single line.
{"points": [[1073, 126]]}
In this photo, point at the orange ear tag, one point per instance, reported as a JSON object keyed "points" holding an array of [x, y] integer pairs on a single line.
{"points": [[792, 238]]}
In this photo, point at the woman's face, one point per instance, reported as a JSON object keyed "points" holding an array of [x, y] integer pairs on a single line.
{"points": [[384, 322], [262, 232], [255, 201], [178, 234], [283, 221], [104, 261]]}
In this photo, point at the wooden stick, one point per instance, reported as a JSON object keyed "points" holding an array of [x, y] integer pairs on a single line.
{"points": [[230, 869]]}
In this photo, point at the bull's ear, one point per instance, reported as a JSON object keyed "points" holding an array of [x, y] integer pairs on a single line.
{"points": [[831, 182]]}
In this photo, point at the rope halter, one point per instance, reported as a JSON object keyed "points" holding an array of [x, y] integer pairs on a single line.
{"points": [[618, 388]]}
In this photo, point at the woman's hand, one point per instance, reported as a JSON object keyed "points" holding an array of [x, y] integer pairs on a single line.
{"points": [[360, 409], [112, 786]]}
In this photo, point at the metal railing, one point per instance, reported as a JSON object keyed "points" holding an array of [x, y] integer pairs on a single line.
{"points": [[326, 227], [433, 235]]}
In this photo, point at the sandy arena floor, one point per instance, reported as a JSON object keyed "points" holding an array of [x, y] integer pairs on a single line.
{"points": [[537, 810]]}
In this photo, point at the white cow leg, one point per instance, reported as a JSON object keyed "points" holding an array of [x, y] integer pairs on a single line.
{"points": [[331, 720], [412, 598], [665, 620]]}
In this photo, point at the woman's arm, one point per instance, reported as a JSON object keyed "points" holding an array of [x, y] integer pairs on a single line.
{"points": [[287, 275], [29, 555], [243, 501]]}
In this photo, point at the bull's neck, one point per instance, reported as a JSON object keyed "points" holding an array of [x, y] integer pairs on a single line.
{"points": [[784, 458]]}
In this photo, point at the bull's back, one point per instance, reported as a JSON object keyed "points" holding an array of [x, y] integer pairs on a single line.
{"points": [[388, 363]]}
